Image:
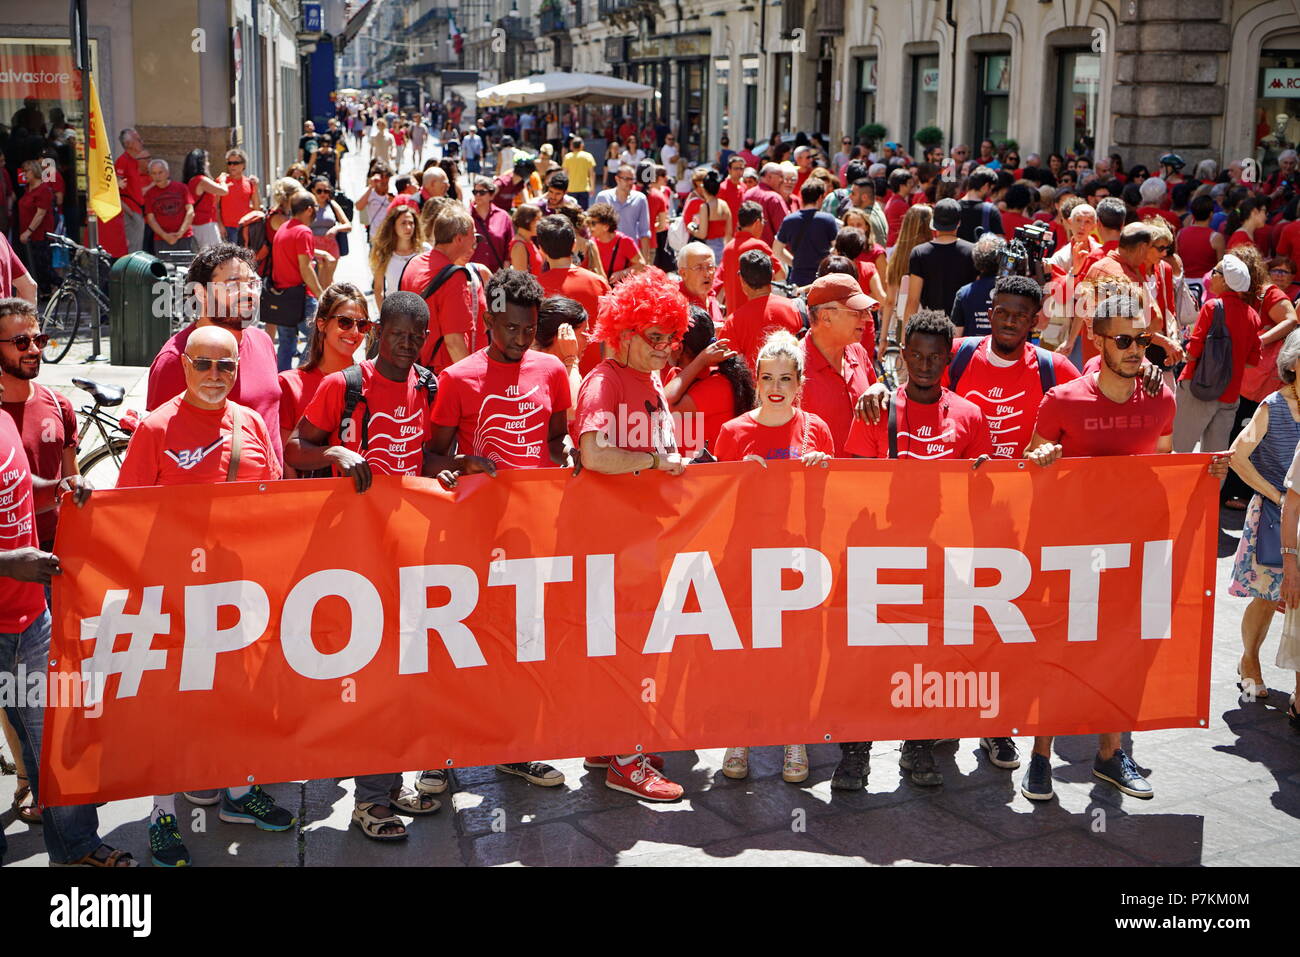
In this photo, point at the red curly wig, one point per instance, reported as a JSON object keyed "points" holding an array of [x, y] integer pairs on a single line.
{"points": [[648, 298]]}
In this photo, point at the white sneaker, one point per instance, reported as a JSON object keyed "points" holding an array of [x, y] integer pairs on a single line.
{"points": [[795, 767], [736, 764]]}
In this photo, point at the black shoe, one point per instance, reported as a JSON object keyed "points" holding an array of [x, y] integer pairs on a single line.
{"points": [[165, 844], [1037, 783], [535, 772], [1002, 752], [1122, 772], [855, 763], [917, 757]]}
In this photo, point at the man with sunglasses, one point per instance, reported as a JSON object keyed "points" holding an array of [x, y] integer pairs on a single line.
{"points": [[623, 425], [201, 437], [44, 418], [1104, 413], [633, 209], [224, 291]]}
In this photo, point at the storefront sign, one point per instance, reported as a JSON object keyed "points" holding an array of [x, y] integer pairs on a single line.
{"points": [[749, 70], [38, 76], [930, 80], [669, 47], [615, 49], [1281, 83], [722, 71]]}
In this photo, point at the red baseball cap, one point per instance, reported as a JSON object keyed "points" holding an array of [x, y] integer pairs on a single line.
{"points": [[841, 288]]}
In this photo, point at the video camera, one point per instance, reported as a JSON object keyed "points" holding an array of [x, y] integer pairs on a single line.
{"points": [[1025, 253]]}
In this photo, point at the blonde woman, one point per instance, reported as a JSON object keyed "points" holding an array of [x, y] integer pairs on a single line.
{"points": [[914, 231], [399, 240], [777, 430]]}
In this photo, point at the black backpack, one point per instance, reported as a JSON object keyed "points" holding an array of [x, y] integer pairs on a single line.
{"points": [[1214, 367], [437, 283], [425, 381]]}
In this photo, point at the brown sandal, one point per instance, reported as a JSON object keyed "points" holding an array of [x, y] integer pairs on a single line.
{"points": [[25, 806], [378, 828], [114, 858]]}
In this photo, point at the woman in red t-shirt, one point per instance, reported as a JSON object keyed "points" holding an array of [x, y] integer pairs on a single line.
{"points": [[778, 430], [710, 385], [205, 190], [1248, 223], [524, 254], [35, 220], [342, 325], [619, 256]]}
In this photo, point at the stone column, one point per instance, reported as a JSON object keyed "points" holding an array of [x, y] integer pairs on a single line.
{"points": [[1171, 63]]}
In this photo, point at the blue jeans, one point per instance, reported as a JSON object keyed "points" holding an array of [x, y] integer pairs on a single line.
{"points": [[286, 348], [232, 234], [70, 832]]}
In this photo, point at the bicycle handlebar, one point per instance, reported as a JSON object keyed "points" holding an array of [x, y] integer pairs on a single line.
{"points": [[99, 251]]}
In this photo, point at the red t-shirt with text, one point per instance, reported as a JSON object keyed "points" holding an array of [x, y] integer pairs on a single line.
{"points": [[952, 428], [1085, 422], [400, 418], [745, 435], [628, 407], [181, 444]]}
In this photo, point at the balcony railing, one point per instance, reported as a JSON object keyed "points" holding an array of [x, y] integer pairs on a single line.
{"points": [[551, 21]]}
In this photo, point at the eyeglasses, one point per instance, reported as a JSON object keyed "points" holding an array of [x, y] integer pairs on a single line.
{"points": [[660, 341], [347, 322], [204, 364], [323, 192], [1124, 343], [481, 192], [1280, 272], [234, 162], [1163, 250], [23, 342]]}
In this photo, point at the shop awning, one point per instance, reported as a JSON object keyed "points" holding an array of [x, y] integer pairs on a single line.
{"points": [[566, 87]]}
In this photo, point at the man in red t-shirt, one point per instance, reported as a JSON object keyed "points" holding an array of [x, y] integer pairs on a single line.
{"points": [[762, 312], [200, 437], [1001, 376], [44, 418], [456, 306], [732, 191], [556, 239], [386, 431], [132, 180], [241, 193], [623, 425], [293, 264], [749, 232], [168, 209], [1106, 413], [838, 371], [901, 184], [697, 267], [768, 195]]}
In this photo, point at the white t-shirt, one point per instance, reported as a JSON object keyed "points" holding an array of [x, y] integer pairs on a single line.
{"points": [[396, 263]]}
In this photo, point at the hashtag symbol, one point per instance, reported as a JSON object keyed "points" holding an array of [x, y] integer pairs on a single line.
{"points": [[140, 655]]}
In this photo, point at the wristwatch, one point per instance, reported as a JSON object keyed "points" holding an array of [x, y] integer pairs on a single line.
{"points": [[1290, 551]]}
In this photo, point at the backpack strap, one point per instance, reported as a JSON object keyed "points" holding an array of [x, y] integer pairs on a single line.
{"points": [[236, 442], [893, 428], [426, 382], [965, 352], [985, 210], [436, 283], [1046, 369], [351, 399]]}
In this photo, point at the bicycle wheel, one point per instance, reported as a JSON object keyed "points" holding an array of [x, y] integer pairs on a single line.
{"points": [[60, 321], [99, 466]]}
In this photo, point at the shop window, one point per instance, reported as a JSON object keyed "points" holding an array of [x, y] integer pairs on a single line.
{"points": [[925, 94], [1277, 110], [992, 97], [1078, 86], [864, 103]]}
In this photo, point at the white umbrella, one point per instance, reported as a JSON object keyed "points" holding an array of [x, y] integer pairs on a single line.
{"points": [[576, 87]]}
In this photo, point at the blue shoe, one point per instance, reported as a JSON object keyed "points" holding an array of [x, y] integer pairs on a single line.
{"points": [[165, 844], [1122, 772], [255, 807], [1037, 782]]}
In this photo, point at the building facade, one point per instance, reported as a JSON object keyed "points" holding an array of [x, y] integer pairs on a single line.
{"points": [[1207, 78]]}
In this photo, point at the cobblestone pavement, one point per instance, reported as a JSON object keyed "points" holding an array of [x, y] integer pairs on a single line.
{"points": [[1228, 794]]}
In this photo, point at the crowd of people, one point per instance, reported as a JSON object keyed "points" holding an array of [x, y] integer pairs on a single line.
{"points": [[639, 315]]}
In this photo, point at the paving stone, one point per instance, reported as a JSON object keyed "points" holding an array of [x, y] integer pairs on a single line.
{"points": [[780, 848], [558, 844], [1002, 810], [331, 840], [916, 831], [1064, 848], [679, 823]]}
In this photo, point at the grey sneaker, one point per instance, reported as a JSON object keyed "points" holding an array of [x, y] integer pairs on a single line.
{"points": [[917, 757], [1122, 772]]}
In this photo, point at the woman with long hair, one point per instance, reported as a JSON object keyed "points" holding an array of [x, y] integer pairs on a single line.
{"points": [[341, 326], [197, 176], [777, 430], [524, 254], [452, 169], [914, 231], [400, 238], [613, 162], [709, 386], [710, 220], [298, 171]]}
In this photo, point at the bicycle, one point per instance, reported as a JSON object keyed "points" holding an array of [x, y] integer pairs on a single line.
{"points": [[99, 466], [61, 318]]}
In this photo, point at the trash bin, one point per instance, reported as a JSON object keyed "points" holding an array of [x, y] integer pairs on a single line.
{"points": [[141, 304]]}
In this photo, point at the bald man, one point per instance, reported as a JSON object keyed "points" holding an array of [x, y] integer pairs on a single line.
{"points": [[202, 437], [433, 184]]}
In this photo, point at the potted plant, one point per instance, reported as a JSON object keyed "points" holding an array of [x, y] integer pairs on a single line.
{"points": [[929, 136], [871, 132], [1010, 145]]}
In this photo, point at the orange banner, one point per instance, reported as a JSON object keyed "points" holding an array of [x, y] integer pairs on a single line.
{"points": [[296, 629]]}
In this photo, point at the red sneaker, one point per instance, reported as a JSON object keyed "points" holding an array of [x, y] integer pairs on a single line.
{"points": [[641, 779], [602, 761]]}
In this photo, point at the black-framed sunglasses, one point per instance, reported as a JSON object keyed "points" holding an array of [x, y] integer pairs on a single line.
{"points": [[23, 341], [347, 322], [204, 364], [322, 191], [1124, 342], [481, 192]]}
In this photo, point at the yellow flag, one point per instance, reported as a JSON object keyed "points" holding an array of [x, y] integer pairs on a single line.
{"points": [[104, 198]]}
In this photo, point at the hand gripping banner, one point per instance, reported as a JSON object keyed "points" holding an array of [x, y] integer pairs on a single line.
{"points": [[263, 632]]}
